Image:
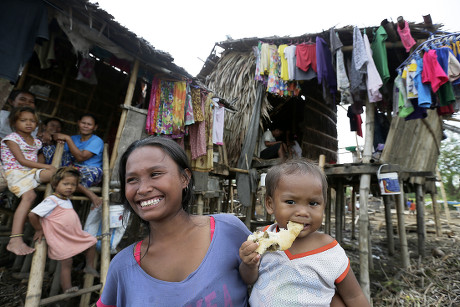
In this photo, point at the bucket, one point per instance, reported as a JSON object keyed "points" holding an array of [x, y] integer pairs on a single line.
{"points": [[116, 215], [388, 182]]}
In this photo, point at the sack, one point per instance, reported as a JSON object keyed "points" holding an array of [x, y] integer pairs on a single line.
{"points": [[93, 226]]}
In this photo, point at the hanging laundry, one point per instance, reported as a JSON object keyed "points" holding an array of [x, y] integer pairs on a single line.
{"points": [[324, 65], [432, 72], [355, 120], [306, 56], [343, 85], [154, 106], [446, 91], [423, 90], [264, 58], [289, 54], [409, 76], [373, 80], [404, 106], [454, 68], [404, 33], [196, 102], [359, 61], [218, 124], [256, 50], [204, 163], [284, 64], [198, 131], [379, 54], [165, 116], [418, 111], [273, 85], [86, 70], [189, 118], [178, 109]]}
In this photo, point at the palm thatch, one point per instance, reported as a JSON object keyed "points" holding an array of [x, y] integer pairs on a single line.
{"points": [[233, 77]]}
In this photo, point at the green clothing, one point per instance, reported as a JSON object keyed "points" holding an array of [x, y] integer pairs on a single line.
{"points": [[379, 54]]}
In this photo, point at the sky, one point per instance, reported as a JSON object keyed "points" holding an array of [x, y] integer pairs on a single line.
{"points": [[188, 30]]}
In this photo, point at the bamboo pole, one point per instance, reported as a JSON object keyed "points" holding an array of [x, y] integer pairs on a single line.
{"points": [[444, 198], [421, 231], [338, 211], [34, 287], [389, 224], [124, 112], [400, 204], [353, 213], [365, 181], [61, 297], [436, 214], [327, 224], [105, 243], [87, 283]]}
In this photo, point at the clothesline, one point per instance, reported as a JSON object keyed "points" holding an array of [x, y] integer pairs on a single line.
{"points": [[424, 45]]}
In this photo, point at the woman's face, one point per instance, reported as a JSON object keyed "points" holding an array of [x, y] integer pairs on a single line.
{"points": [[153, 184], [86, 125], [24, 100]]}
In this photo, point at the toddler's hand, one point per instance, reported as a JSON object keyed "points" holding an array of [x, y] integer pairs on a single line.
{"points": [[38, 235], [248, 253]]}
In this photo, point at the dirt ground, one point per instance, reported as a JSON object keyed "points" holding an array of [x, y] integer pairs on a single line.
{"points": [[431, 281]]}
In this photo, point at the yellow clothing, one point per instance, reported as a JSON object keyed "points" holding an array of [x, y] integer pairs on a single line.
{"points": [[284, 63]]}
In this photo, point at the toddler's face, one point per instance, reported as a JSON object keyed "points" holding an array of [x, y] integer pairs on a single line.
{"points": [[298, 198], [67, 186]]}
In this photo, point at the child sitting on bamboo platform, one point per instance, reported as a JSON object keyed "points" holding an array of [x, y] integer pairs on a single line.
{"points": [[24, 171], [56, 219]]}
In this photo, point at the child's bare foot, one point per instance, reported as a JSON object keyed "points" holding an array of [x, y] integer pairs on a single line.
{"points": [[18, 247], [71, 290], [91, 271]]}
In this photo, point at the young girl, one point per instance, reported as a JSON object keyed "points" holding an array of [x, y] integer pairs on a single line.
{"points": [[308, 273], [55, 218], [186, 260], [24, 172]]}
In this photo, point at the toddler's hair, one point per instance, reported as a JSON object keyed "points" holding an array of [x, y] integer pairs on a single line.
{"points": [[293, 167], [16, 112], [63, 172]]}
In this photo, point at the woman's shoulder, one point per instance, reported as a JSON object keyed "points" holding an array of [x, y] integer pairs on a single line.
{"points": [[231, 221], [124, 258]]}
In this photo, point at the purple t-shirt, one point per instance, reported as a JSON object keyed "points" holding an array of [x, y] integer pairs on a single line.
{"points": [[324, 65], [216, 282]]}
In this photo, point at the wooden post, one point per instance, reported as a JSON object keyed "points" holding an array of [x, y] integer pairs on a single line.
{"points": [[87, 283], [364, 187], [421, 231], [436, 214], [400, 204], [128, 99], [338, 211], [34, 287], [353, 213], [444, 198], [387, 200], [327, 223], [105, 241]]}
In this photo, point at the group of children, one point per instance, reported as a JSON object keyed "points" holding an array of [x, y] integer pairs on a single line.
{"points": [[24, 167]]}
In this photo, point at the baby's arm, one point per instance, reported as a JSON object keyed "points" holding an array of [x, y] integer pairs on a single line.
{"points": [[34, 220], [249, 266], [351, 292], [17, 153]]}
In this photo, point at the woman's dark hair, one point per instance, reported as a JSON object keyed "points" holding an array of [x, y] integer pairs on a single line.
{"points": [[64, 172], [174, 151], [89, 115], [15, 94], [53, 119], [16, 112]]}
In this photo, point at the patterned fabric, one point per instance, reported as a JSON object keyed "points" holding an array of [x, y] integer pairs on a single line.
{"points": [[48, 153], [256, 51], [30, 152], [178, 108], [154, 105], [90, 175], [165, 112], [273, 85], [196, 102], [189, 119], [198, 132], [205, 163]]}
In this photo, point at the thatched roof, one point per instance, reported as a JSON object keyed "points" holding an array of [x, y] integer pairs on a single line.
{"points": [[133, 45]]}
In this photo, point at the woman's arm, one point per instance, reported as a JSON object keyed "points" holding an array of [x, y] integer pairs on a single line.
{"points": [[350, 291], [17, 153], [80, 155]]}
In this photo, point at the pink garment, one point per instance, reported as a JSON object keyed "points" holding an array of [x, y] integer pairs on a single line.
{"points": [[198, 134], [64, 234], [406, 38], [306, 56], [432, 71]]}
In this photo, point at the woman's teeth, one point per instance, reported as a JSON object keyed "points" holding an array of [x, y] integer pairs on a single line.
{"points": [[151, 202]]}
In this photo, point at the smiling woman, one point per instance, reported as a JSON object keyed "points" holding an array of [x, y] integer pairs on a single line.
{"points": [[186, 259]]}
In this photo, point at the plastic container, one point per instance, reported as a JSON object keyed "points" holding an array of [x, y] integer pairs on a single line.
{"points": [[116, 215], [388, 182]]}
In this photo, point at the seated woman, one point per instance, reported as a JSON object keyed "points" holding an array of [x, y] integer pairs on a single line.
{"points": [[84, 151], [272, 148]]}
